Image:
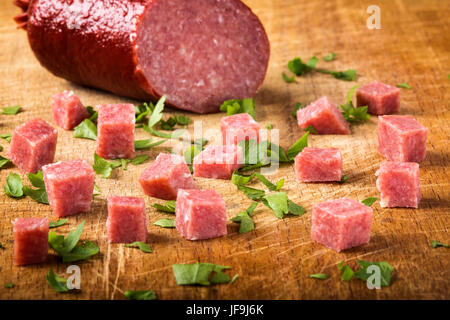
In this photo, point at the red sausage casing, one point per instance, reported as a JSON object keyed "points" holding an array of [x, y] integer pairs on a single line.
{"points": [[197, 52]]}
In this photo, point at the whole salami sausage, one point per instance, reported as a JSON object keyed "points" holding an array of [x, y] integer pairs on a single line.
{"points": [[197, 52]]}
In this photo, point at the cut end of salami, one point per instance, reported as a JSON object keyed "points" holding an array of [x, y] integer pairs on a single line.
{"points": [[201, 53], [197, 53]]}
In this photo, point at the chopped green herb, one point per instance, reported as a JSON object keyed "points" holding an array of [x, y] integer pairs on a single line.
{"points": [[321, 276], [310, 129], [235, 106], [191, 152], [165, 223], [288, 79], [437, 244], [385, 271], [139, 159], [143, 110], [168, 207], [37, 179], [269, 126], [6, 136], [11, 110], [58, 223], [245, 220], [14, 186], [404, 85], [156, 115], [103, 167], [344, 179], [278, 202], [172, 135], [86, 130], [8, 285], [269, 184], [68, 247], [203, 274], [96, 192], [1, 245], [144, 247], [298, 146], [369, 201], [346, 272], [352, 114], [239, 179], [297, 107], [299, 68], [146, 144], [295, 209], [140, 295], [347, 75], [59, 284], [329, 57], [39, 195], [3, 161], [235, 277], [251, 193]]}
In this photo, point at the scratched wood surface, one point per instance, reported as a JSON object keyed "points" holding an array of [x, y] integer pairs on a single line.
{"points": [[274, 261]]}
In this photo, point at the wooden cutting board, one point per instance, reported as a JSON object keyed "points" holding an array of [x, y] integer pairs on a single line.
{"points": [[274, 261]]}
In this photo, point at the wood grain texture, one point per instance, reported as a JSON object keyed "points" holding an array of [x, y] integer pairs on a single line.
{"points": [[274, 261]]}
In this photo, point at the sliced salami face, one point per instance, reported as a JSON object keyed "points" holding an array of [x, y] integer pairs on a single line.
{"points": [[197, 52]]}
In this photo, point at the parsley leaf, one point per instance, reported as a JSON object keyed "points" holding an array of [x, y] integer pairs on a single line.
{"points": [[352, 114], [139, 159], [295, 209], [278, 202], [299, 68], [58, 223], [298, 146], [385, 271], [346, 272], [235, 106], [288, 79], [369, 201], [437, 244], [11, 110], [86, 130], [6, 136], [269, 126], [245, 220], [251, 193], [144, 247], [165, 223], [81, 252], [9, 285], [200, 274], [38, 195], [103, 167], [329, 57], [156, 115], [146, 144], [37, 179], [59, 284], [321, 276], [140, 295], [235, 277], [14, 186], [343, 179], [169, 207], [404, 85], [310, 129]]}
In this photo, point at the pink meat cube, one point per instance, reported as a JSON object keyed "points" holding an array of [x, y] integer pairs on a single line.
{"points": [[341, 224], [324, 116], [69, 186], [30, 240], [399, 184], [316, 165], [380, 98], [167, 174], [218, 162], [200, 214], [115, 131], [126, 221], [33, 144], [401, 138], [67, 109], [239, 127]]}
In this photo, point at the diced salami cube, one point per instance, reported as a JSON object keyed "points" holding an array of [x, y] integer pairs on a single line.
{"points": [[30, 240], [115, 131], [167, 174], [69, 186], [67, 109], [33, 144], [341, 224], [239, 127], [318, 165], [126, 221], [200, 214], [218, 162], [401, 138], [399, 184], [380, 98], [324, 116]]}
